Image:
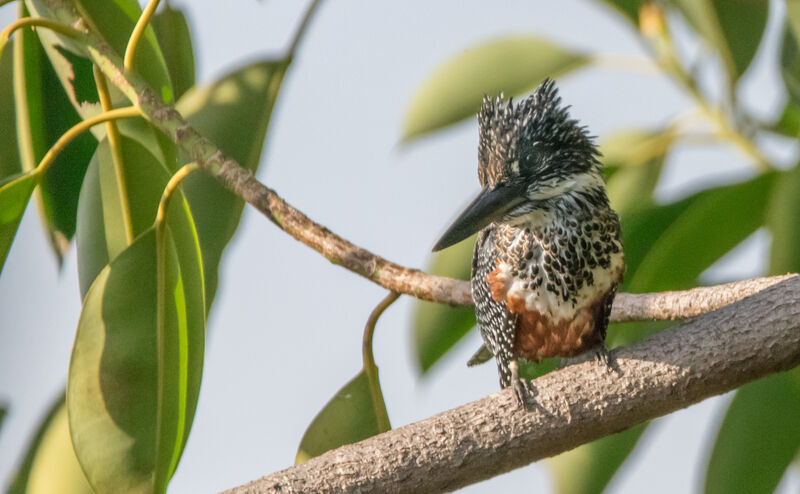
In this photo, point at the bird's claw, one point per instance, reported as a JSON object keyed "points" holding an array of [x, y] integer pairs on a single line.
{"points": [[522, 390]]}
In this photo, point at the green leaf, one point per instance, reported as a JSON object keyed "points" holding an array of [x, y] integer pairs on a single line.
{"points": [[634, 160], [175, 38], [50, 464], [789, 122], [454, 91], [597, 463], [101, 232], [733, 27], [347, 418], [135, 371], [44, 113], [73, 70], [628, 8], [115, 19], [759, 437], [783, 219], [790, 65], [15, 192], [793, 15], [438, 327], [714, 222], [234, 113], [10, 163]]}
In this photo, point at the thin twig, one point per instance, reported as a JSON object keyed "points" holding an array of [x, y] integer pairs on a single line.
{"points": [[336, 249], [301, 29]]}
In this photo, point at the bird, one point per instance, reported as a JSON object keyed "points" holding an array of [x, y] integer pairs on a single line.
{"points": [[548, 257]]}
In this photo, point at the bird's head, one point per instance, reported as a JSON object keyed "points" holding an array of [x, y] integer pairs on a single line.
{"points": [[528, 153]]}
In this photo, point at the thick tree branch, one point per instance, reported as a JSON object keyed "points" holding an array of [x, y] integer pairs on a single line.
{"points": [[706, 356], [396, 278]]}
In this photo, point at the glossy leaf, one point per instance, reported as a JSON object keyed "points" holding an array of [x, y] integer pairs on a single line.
{"points": [[115, 19], [44, 114], [716, 221], [101, 232], [234, 113], [10, 163], [175, 39], [759, 437], [733, 27], [73, 70], [347, 418], [50, 464], [438, 327], [15, 192], [135, 370], [454, 91]]}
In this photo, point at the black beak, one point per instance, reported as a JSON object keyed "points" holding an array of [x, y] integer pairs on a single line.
{"points": [[490, 205]]}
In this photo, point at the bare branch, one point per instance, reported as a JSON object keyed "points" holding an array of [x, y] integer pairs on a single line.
{"points": [[714, 353], [336, 249]]}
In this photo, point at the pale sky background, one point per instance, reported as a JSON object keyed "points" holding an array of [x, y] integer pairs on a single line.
{"points": [[271, 363]]}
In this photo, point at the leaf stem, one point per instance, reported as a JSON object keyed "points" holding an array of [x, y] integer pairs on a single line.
{"points": [[115, 146], [138, 31], [370, 369], [75, 130], [301, 30], [166, 196], [58, 27]]}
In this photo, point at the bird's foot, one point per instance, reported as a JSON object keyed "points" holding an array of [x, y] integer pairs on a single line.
{"points": [[523, 389], [603, 357]]}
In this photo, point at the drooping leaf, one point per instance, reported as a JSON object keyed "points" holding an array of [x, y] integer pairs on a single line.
{"points": [[44, 113], [438, 327], [101, 233], [50, 464], [136, 364], [759, 437], [733, 27], [716, 221], [175, 39], [347, 418], [234, 113], [454, 91], [72, 68], [15, 192], [10, 163]]}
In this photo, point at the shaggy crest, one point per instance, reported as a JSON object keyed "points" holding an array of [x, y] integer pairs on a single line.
{"points": [[534, 139]]}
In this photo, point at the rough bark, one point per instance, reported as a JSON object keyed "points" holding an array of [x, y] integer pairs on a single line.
{"points": [[705, 356]]}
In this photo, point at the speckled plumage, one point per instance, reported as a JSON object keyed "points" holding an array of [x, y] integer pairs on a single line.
{"points": [[545, 274]]}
